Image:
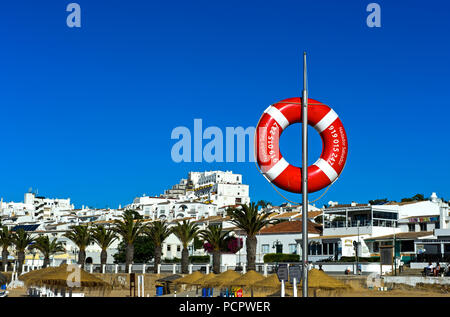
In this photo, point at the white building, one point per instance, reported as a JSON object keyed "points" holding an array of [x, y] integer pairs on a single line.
{"points": [[202, 194], [220, 188], [35, 207], [376, 225]]}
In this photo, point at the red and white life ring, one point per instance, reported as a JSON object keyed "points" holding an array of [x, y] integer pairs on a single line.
{"points": [[276, 169]]}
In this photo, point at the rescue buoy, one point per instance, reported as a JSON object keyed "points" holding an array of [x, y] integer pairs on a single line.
{"points": [[276, 169]]}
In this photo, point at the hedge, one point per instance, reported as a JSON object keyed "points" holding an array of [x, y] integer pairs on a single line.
{"points": [[281, 257], [360, 259], [174, 260], [199, 259], [192, 259]]}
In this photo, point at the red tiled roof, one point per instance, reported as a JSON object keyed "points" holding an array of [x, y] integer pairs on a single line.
{"points": [[291, 227], [311, 214]]}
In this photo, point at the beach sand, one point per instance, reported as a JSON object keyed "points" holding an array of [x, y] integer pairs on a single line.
{"points": [[120, 283]]}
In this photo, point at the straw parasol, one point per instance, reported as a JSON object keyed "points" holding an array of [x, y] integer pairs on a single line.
{"points": [[64, 276], [222, 279], [36, 273], [189, 279], [319, 279], [270, 282], [247, 280], [202, 281]]}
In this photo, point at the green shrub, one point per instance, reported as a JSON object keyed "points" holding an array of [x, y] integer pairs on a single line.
{"points": [[281, 257], [353, 259], [199, 259], [192, 259], [174, 260]]}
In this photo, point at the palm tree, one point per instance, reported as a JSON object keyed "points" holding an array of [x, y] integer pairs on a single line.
{"points": [[216, 237], [263, 204], [158, 231], [22, 241], [104, 238], [129, 228], [81, 236], [185, 232], [6, 240], [48, 248], [249, 220]]}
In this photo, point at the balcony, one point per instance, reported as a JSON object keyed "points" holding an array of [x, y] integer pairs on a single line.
{"points": [[355, 224]]}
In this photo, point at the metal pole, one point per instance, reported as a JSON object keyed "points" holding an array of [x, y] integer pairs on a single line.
{"points": [[305, 180], [357, 249], [395, 257]]}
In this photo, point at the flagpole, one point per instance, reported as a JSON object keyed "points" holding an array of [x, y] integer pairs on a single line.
{"points": [[305, 181]]}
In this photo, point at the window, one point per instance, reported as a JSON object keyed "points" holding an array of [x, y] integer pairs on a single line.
{"points": [[178, 248], [265, 248], [331, 248], [411, 227], [376, 247], [293, 248], [423, 226], [318, 249], [168, 248], [447, 248], [407, 246], [313, 249], [385, 215]]}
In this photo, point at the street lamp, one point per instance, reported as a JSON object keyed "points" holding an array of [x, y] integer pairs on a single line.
{"points": [[275, 244]]}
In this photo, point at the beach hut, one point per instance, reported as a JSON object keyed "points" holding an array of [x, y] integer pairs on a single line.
{"points": [[166, 282], [247, 280]]}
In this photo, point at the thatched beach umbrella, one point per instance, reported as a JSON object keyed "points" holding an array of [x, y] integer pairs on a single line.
{"points": [[66, 276], [319, 280], [247, 280], [222, 279], [36, 273], [202, 281], [270, 282], [190, 279]]}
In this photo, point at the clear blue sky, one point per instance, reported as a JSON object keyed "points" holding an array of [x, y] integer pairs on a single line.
{"points": [[87, 113]]}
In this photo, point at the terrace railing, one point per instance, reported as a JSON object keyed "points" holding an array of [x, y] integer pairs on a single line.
{"points": [[365, 223]]}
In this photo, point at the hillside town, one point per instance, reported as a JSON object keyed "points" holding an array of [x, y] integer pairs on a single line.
{"points": [[417, 227]]}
